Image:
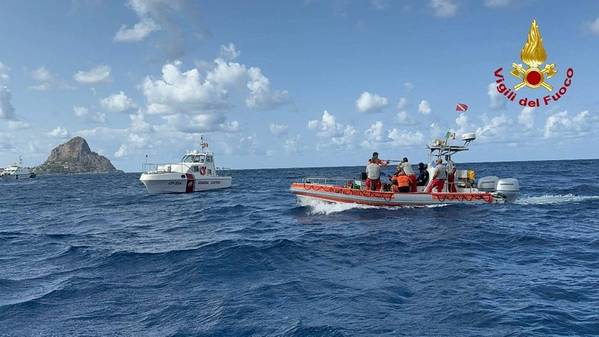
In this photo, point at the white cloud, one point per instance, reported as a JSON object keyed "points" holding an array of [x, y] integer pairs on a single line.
{"points": [[229, 52], [404, 118], [405, 138], [444, 8], [402, 104], [375, 132], [368, 102], [409, 86], [594, 26], [424, 107], [3, 73], [182, 92], [59, 132], [527, 117], [278, 129], [138, 32], [379, 4], [337, 133], [497, 101], [41, 74], [99, 74], [118, 102], [232, 126], [462, 123], [89, 116], [7, 111], [561, 124], [494, 128], [293, 144], [261, 96], [18, 125], [497, 3]]}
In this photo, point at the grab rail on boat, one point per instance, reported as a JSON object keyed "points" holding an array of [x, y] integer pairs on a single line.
{"points": [[328, 181]]}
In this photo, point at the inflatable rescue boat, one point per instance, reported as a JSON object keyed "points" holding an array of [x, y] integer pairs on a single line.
{"points": [[468, 190]]}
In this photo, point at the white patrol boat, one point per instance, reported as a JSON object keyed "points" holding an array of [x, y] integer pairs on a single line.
{"points": [[489, 189], [196, 172], [17, 171]]}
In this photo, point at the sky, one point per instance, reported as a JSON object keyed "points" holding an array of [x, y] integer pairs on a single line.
{"points": [[291, 83]]}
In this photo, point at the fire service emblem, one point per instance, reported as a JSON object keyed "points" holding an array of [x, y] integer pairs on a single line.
{"points": [[533, 75]]}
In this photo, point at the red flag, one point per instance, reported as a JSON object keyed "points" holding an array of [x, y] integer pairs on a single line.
{"points": [[461, 107]]}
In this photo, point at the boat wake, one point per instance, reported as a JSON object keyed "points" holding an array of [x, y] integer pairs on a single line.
{"points": [[321, 207], [550, 199]]}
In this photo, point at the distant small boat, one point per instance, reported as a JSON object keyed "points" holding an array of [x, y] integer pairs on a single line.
{"points": [[16, 171], [195, 172]]}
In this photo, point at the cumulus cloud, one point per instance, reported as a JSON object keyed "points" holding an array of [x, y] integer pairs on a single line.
{"points": [[99, 74], [594, 26], [7, 111], [368, 102], [497, 3], [496, 100], [89, 116], [328, 128], [404, 118], [18, 125], [527, 117], [229, 52], [444, 8], [561, 124], [278, 129], [59, 132], [494, 128], [405, 138], [402, 104], [261, 96], [138, 32], [424, 107], [462, 123], [118, 102], [293, 144]]}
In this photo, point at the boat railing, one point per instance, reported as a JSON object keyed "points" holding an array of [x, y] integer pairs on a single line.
{"points": [[328, 181], [160, 167]]}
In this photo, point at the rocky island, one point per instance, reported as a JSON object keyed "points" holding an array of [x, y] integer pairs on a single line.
{"points": [[75, 156]]}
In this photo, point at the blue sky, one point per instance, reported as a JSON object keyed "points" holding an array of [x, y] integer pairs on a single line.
{"points": [[286, 84]]}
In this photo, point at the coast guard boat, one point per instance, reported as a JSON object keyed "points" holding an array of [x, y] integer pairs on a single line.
{"points": [[486, 190], [194, 173], [16, 171]]}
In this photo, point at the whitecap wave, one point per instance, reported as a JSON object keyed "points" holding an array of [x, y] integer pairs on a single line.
{"points": [[318, 206], [549, 199], [324, 207]]}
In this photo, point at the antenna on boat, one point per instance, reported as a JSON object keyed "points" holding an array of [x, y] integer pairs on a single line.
{"points": [[203, 143]]}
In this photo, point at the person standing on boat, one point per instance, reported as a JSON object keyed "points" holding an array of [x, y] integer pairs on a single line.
{"points": [[422, 179], [406, 168], [373, 172], [451, 169], [439, 177]]}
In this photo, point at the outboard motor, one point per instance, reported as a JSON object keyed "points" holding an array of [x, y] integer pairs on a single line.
{"points": [[508, 188], [487, 184]]}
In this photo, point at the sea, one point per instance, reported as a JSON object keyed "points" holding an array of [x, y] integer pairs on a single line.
{"points": [[96, 255]]}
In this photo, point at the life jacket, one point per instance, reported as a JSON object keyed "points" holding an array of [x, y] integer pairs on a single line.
{"points": [[403, 181]]}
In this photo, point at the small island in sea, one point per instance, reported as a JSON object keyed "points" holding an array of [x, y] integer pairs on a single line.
{"points": [[75, 156]]}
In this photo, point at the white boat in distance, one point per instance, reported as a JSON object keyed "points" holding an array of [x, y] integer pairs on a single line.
{"points": [[195, 172], [16, 171]]}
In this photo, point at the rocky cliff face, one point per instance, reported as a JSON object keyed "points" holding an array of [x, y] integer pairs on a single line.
{"points": [[75, 156]]}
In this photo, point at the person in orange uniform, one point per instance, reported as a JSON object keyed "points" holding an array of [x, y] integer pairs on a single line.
{"points": [[373, 172], [406, 168]]}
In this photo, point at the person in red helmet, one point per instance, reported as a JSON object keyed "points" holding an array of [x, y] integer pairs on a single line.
{"points": [[373, 172]]}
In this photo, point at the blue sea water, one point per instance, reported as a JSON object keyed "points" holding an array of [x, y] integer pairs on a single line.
{"points": [[95, 255]]}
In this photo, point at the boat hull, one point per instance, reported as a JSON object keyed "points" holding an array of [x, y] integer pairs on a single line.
{"points": [[340, 194], [10, 177], [182, 183]]}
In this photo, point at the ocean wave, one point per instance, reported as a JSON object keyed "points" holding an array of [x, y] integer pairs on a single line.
{"points": [[550, 199]]}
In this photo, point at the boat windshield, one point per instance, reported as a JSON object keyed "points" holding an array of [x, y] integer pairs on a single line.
{"points": [[193, 158]]}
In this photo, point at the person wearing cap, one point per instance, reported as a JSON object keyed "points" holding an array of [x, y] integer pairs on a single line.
{"points": [[373, 172], [439, 177], [423, 177], [406, 168]]}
